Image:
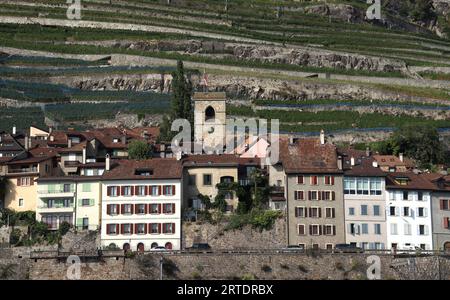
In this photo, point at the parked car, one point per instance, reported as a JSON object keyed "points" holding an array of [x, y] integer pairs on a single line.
{"points": [[199, 247], [347, 248], [292, 249], [158, 249]]}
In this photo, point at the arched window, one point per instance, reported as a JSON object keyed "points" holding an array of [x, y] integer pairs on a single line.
{"points": [[140, 247], [226, 179], [210, 113], [168, 246], [447, 247], [154, 245], [126, 246]]}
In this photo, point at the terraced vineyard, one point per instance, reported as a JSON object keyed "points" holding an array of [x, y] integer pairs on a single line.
{"points": [[313, 64]]}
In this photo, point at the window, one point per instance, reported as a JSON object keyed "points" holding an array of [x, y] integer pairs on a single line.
{"points": [[207, 179], [85, 223], [154, 208], [351, 211], [362, 186], [420, 196], [314, 180], [169, 190], [328, 195], [421, 212], [377, 228], [67, 188], [423, 230], [85, 202], [24, 181], [127, 209], [140, 229], [394, 229], [364, 228], [352, 228], [392, 211], [169, 208], [314, 230], [140, 190], [227, 179], [155, 228], [405, 195], [364, 210], [313, 195], [169, 228], [329, 180], [423, 246], [315, 212], [300, 179], [21, 202], [444, 205], [126, 191], [86, 187], [328, 230], [113, 191], [376, 210], [112, 229], [154, 190], [301, 229], [300, 212], [299, 195], [330, 213], [192, 179], [140, 209], [126, 228], [406, 211], [112, 209], [407, 229]]}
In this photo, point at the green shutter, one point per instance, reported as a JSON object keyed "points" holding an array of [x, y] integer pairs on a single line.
{"points": [[80, 222], [86, 187], [80, 202], [91, 202]]}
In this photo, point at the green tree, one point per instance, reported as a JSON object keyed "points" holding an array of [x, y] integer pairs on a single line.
{"points": [[139, 150], [181, 104], [423, 11], [419, 142]]}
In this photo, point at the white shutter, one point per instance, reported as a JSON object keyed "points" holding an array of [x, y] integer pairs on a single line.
{"points": [[397, 211], [418, 229], [426, 230], [425, 212]]}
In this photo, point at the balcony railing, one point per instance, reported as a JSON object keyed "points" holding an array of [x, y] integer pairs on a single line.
{"points": [[57, 191], [23, 170], [56, 206]]}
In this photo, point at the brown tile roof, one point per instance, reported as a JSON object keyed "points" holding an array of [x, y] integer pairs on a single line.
{"points": [[162, 168], [75, 148], [308, 156], [150, 133], [223, 160], [388, 160], [44, 151], [363, 164], [59, 138], [415, 181]]}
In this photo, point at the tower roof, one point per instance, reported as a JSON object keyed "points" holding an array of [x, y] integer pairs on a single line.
{"points": [[199, 96]]}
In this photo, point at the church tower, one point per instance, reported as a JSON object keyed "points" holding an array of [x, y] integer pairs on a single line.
{"points": [[210, 120]]}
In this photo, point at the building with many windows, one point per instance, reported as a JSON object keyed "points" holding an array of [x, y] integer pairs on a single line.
{"points": [[364, 200], [73, 199], [141, 204], [408, 212], [314, 178]]}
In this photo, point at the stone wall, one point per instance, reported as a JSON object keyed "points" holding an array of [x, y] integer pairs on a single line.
{"points": [[248, 266], [246, 238]]}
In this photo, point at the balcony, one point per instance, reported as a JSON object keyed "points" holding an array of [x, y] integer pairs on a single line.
{"points": [[22, 170], [56, 206], [58, 193]]}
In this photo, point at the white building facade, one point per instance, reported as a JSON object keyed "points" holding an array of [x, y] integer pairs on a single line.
{"points": [[408, 216], [141, 214]]}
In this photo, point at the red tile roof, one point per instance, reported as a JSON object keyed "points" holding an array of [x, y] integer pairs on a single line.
{"points": [[162, 168], [415, 181], [223, 160], [308, 156]]}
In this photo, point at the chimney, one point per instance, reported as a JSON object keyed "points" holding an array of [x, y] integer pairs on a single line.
{"points": [[322, 137], [179, 155], [52, 138], [352, 161], [50, 129], [107, 163], [69, 143], [84, 155], [124, 139], [339, 162], [400, 156], [14, 130], [375, 164], [291, 140], [27, 144], [367, 151]]}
